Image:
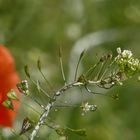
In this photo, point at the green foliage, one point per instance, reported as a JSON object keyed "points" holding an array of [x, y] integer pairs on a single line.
{"points": [[8, 103], [12, 95]]}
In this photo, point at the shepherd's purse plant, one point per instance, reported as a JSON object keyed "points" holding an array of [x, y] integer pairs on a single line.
{"points": [[110, 71]]}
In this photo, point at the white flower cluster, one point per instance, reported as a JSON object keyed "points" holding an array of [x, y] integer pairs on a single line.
{"points": [[126, 62], [125, 54]]}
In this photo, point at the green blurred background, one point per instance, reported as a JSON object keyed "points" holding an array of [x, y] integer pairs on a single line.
{"points": [[37, 28]]}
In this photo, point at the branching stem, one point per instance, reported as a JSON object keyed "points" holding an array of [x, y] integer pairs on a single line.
{"points": [[51, 102]]}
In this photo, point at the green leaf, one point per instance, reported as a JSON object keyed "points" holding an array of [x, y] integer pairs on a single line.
{"points": [[38, 85], [81, 132], [8, 104], [12, 95]]}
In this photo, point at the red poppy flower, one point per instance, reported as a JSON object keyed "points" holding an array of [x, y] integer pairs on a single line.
{"points": [[8, 80]]}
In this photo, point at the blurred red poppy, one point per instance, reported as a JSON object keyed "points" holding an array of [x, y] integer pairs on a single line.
{"points": [[8, 80]]}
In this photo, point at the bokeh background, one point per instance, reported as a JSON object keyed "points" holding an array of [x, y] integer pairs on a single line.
{"points": [[37, 28]]}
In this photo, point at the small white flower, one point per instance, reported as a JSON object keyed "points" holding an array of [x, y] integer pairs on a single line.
{"points": [[127, 54], [136, 62], [86, 107], [119, 50]]}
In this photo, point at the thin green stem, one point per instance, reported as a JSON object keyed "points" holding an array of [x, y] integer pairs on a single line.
{"points": [[31, 108], [42, 90], [36, 101], [47, 81], [42, 74], [63, 106], [106, 70], [61, 65], [99, 72], [97, 93], [103, 65], [76, 71], [77, 66], [91, 70]]}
